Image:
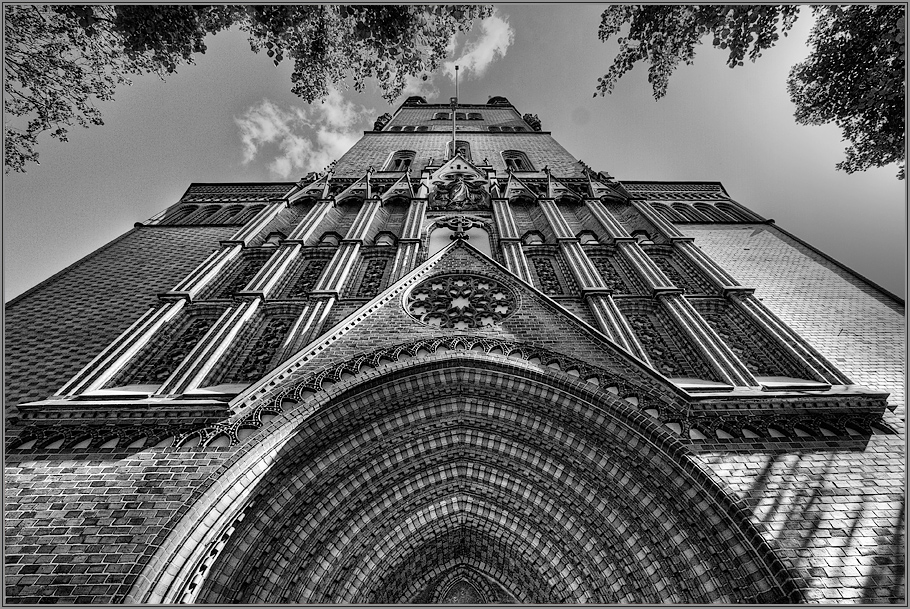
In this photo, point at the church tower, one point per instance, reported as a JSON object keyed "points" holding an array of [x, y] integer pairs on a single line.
{"points": [[459, 365]]}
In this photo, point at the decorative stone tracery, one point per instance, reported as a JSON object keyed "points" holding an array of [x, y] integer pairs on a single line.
{"points": [[461, 301]]}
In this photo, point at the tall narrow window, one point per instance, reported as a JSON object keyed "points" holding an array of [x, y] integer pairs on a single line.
{"points": [[461, 146], [401, 160], [516, 161]]}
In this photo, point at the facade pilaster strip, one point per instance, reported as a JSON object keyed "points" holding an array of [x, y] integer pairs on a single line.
{"points": [[789, 340], [613, 227], [585, 273], [108, 362], [505, 222], [218, 346], [664, 226], [310, 321], [555, 218], [304, 230], [414, 221], [187, 369], [646, 268], [515, 260], [338, 269], [258, 222], [405, 260], [614, 324], [730, 368], [715, 273], [363, 220], [205, 272], [270, 274]]}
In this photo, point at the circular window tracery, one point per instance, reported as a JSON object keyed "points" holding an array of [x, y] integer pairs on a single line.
{"points": [[461, 301]]}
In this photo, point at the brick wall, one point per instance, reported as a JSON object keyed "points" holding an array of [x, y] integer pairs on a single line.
{"points": [[492, 115], [79, 529], [834, 515], [374, 149], [57, 327]]}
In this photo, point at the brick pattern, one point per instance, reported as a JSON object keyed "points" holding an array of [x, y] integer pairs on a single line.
{"points": [[78, 529], [374, 149], [490, 115], [444, 432], [836, 517], [56, 328]]}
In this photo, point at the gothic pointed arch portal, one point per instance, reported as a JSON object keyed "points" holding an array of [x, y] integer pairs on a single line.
{"points": [[467, 475]]}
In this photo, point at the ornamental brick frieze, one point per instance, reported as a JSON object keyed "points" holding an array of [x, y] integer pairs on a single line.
{"points": [[461, 301], [615, 271], [258, 358], [679, 270], [752, 345], [239, 275], [371, 275], [307, 275], [549, 268], [63, 436], [158, 359], [667, 347]]}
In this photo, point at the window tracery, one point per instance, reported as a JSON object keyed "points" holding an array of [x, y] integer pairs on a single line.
{"points": [[401, 160], [461, 301], [516, 160]]}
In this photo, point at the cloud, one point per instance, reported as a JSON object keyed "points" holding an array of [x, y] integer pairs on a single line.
{"points": [[495, 37], [492, 43], [302, 139]]}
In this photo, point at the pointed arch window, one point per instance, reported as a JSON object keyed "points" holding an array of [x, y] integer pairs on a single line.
{"points": [[516, 160], [460, 146], [401, 160]]}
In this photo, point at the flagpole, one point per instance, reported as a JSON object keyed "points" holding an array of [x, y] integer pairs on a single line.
{"points": [[454, 101]]}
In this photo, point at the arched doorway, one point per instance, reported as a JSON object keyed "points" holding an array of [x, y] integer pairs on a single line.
{"points": [[463, 474]]}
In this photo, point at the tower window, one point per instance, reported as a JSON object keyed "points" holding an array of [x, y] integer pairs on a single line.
{"points": [[516, 161], [460, 146], [401, 160]]}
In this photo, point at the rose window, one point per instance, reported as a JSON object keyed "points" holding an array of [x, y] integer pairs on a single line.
{"points": [[461, 301]]}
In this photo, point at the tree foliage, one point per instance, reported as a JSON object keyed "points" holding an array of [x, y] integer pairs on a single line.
{"points": [[59, 59], [855, 79], [854, 76]]}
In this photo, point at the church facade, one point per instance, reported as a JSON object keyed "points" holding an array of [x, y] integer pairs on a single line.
{"points": [[458, 366]]}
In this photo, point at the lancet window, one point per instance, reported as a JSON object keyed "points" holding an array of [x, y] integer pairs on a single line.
{"points": [[516, 160], [401, 160]]}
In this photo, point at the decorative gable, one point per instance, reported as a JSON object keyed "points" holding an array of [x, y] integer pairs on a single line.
{"points": [[459, 185]]}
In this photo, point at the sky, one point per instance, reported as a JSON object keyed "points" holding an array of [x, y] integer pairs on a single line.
{"points": [[231, 117]]}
